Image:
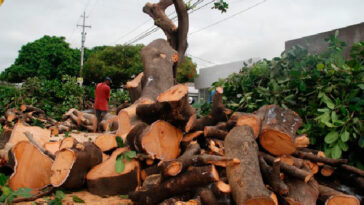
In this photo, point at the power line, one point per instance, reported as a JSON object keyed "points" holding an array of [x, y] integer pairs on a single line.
{"points": [[204, 60], [229, 17], [154, 28]]}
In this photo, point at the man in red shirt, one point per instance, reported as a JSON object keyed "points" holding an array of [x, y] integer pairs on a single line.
{"points": [[102, 95]]}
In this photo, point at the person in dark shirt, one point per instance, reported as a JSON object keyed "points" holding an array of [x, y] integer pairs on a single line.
{"points": [[102, 95]]}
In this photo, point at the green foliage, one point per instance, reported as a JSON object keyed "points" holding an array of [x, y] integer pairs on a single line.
{"points": [[202, 108], [119, 141], [59, 196], [8, 195], [325, 90], [118, 97], [124, 196], [186, 72], [221, 5], [119, 163], [120, 63], [49, 57], [55, 97], [77, 199]]}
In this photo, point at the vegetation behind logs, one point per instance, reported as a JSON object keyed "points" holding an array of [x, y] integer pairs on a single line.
{"points": [[326, 90]]}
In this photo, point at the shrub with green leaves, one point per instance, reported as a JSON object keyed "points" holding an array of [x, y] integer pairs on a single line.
{"points": [[325, 90]]}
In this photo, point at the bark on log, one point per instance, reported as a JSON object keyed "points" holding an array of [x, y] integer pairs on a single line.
{"points": [[289, 169], [245, 179], [32, 167], [279, 127], [160, 140], [315, 158], [207, 197], [218, 114], [109, 123], [72, 164], [301, 193], [104, 180], [135, 87], [194, 177], [212, 131], [330, 196], [272, 176], [171, 106]]}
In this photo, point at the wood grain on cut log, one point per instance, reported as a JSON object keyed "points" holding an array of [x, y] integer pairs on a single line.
{"points": [[104, 180], [250, 120], [245, 179], [72, 164], [171, 106], [302, 141], [218, 114], [52, 147], [135, 87], [40, 136], [32, 167], [68, 143], [301, 193], [106, 142], [331, 196], [194, 177], [327, 170], [279, 127], [160, 140]]}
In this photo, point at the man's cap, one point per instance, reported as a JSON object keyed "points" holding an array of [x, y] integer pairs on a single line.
{"points": [[108, 78]]}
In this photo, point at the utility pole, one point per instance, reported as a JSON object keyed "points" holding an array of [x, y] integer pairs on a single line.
{"points": [[83, 38]]}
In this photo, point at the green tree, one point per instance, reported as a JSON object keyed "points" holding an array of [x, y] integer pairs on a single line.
{"points": [[49, 57], [186, 72], [123, 62], [119, 62]]}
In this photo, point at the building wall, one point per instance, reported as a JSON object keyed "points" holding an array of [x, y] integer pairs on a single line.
{"points": [[317, 44]]}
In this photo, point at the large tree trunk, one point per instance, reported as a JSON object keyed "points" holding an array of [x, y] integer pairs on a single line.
{"points": [[32, 167], [245, 179]]}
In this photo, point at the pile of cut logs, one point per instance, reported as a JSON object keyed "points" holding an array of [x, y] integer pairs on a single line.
{"points": [[222, 158]]}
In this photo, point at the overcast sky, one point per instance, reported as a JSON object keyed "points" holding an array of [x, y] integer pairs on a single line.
{"points": [[258, 32]]}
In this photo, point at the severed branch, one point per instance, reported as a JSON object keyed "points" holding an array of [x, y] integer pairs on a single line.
{"points": [[31, 139]]}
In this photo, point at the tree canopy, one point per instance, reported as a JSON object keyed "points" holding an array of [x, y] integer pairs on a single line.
{"points": [[49, 57], [123, 62]]}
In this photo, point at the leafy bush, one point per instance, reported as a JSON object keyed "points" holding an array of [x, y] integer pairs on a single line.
{"points": [[325, 90]]}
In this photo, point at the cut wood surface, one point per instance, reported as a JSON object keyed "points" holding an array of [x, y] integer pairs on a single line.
{"points": [[72, 164], [245, 179], [32, 167], [109, 122], [279, 127], [330, 196], [106, 142], [104, 180], [52, 147], [160, 140], [250, 120]]}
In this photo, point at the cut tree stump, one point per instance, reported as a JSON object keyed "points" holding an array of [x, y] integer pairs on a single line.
{"points": [[52, 147], [194, 177], [32, 167], [106, 142], [104, 180], [279, 127], [160, 140], [330, 196], [72, 164], [246, 182]]}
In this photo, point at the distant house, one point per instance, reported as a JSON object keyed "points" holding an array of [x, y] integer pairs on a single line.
{"points": [[209, 75], [317, 44]]}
